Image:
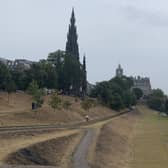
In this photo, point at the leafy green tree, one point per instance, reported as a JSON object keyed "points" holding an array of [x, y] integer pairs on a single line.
{"points": [[57, 59], [156, 100], [129, 98], [33, 87], [72, 75], [155, 103], [55, 101], [5, 76], [138, 93], [44, 73], [115, 93], [116, 102], [166, 105], [36, 92], [20, 79], [157, 93]]}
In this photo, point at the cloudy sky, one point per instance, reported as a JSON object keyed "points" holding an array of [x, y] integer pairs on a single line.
{"points": [[133, 33]]}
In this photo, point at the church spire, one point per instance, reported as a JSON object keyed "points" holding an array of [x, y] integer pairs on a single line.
{"points": [[72, 47]]}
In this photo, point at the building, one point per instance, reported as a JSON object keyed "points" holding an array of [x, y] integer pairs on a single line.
{"points": [[144, 84], [25, 64], [119, 71]]}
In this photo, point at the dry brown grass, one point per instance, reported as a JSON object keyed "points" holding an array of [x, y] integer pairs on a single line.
{"points": [[50, 153], [113, 145], [19, 112], [150, 142], [11, 143]]}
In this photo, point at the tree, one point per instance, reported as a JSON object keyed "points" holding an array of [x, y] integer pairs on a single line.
{"points": [[116, 102], [157, 93], [166, 106], [5, 76], [156, 100], [33, 87], [115, 93], [69, 72], [129, 98], [20, 78], [10, 87], [36, 92], [87, 104], [138, 93], [72, 76], [72, 38], [55, 101], [155, 103]]}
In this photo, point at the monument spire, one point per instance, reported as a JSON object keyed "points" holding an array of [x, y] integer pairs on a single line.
{"points": [[72, 47]]}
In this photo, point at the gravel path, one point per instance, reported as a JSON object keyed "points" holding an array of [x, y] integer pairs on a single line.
{"points": [[80, 156]]}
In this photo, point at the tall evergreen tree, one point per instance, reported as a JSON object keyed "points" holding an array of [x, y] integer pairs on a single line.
{"points": [[84, 78], [72, 38]]}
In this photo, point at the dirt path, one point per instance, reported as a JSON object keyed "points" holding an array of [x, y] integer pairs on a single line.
{"points": [[80, 156], [150, 143]]}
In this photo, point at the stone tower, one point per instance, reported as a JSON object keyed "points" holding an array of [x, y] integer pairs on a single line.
{"points": [[72, 47], [119, 71]]}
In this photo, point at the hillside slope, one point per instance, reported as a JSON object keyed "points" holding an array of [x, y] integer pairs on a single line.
{"points": [[18, 111]]}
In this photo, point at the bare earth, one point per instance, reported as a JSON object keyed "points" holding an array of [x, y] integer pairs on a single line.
{"points": [[11, 145]]}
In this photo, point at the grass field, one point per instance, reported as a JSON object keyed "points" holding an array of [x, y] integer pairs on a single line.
{"points": [[150, 142]]}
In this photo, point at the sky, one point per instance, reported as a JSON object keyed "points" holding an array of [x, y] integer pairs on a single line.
{"points": [[133, 33]]}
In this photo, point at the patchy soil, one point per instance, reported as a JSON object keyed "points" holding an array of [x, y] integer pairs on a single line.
{"points": [[48, 153], [113, 147], [13, 142]]}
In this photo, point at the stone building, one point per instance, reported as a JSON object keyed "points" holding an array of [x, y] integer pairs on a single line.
{"points": [[142, 83], [119, 71], [23, 63]]}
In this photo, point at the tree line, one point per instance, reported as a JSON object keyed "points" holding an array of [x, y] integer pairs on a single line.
{"points": [[60, 71], [157, 100], [117, 93]]}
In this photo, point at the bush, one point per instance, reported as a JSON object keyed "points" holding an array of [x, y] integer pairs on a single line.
{"points": [[55, 101], [87, 104], [67, 104]]}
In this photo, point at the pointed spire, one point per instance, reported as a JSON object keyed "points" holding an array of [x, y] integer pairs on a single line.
{"points": [[72, 38], [84, 62], [84, 80], [73, 16]]}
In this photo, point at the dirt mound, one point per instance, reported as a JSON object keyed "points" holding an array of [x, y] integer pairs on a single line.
{"points": [[48, 153]]}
